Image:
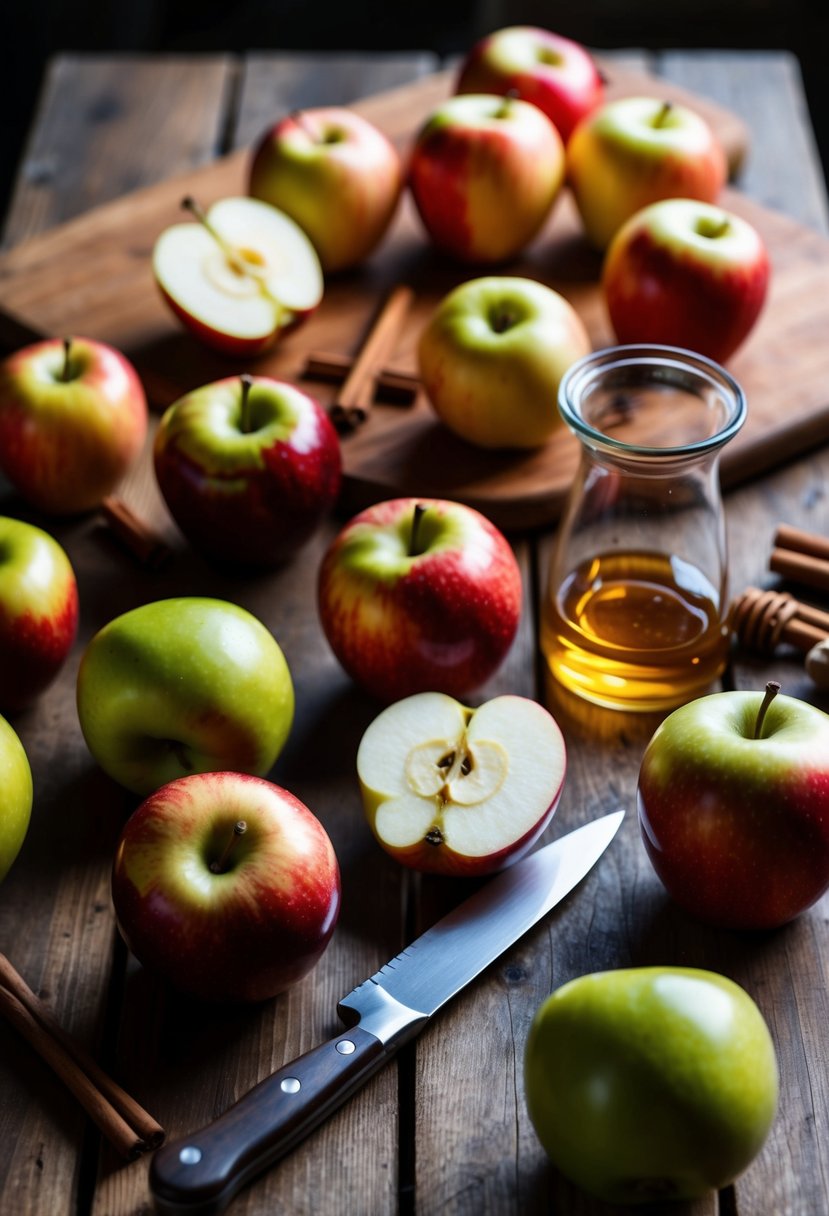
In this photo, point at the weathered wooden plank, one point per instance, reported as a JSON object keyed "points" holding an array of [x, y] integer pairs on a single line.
{"points": [[274, 84], [354, 1157], [107, 125], [55, 919]]}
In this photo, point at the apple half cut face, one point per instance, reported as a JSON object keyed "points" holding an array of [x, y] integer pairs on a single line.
{"points": [[462, 791], [240, 278]]}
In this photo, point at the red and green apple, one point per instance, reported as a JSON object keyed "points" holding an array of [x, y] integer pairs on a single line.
{"points": [[16, 804], [635, 151], [686, 273], [73, 417], [734, 807], [651, 1084], [248, 468], [460, 791], [484, 172], [239, 277], [491, 358], [180, 686], [553, 72], [38, 611], [419, 595], [336, 174], [226, 885]]}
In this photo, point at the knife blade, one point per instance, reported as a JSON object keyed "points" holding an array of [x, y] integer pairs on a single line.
{"points": [[200, 1174]]}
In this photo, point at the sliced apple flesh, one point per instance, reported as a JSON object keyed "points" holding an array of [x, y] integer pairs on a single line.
{"points": [[456, 790], [245, 274]]}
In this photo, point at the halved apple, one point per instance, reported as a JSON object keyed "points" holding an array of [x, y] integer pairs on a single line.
{"points": [[461, 791], [240, 277]]}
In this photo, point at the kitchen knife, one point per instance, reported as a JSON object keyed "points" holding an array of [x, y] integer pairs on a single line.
{"points": [[201, 1173]]}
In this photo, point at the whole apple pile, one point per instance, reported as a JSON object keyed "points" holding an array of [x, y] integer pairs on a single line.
{"points": [[188, 702]]}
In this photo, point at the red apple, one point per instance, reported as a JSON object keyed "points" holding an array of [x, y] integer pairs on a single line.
{"points": [[686, 273], [418, 595], [460, 791], [485, 172], [335, 174], [554, 73], [73, 417], [248, 468], [38, 612], [241, 277], [635, 151], [226, 885], [734, 807]]}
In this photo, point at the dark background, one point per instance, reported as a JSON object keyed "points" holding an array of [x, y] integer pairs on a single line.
{"points": [[32, 30]]}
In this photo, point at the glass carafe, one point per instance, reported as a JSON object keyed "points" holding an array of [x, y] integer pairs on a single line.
{"points": [[635, 615]]}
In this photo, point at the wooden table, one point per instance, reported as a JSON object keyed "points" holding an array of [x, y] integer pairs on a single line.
{"points": [[445, 1128]]}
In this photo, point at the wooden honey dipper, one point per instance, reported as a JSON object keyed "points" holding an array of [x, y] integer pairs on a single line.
{"points": [[763, 620]]}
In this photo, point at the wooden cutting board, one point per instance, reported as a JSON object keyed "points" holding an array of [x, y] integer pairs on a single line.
{"points": [[92, 276]]}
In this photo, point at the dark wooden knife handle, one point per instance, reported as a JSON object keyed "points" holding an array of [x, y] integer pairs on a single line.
{"points": [[201, 1173]]}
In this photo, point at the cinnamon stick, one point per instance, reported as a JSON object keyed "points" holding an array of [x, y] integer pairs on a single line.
{"points": [[125, 1124], [799, 541], [803, 568], [134, 533], [355, 398], [391, 383]]}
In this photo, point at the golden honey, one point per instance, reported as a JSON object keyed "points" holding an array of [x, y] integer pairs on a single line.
{"points": [[634, 630]]}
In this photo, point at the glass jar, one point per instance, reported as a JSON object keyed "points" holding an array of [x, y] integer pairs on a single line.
{"points": [[635, 615]]}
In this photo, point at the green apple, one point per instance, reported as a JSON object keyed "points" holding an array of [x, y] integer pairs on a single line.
{"points": [[182, 686], [492, 356], [635, 151], [16, 801], [651, 1083]]}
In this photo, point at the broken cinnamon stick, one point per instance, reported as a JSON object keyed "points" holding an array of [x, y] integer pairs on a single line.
{"points": [[125, 1124], [355, 398], [137, 536]]}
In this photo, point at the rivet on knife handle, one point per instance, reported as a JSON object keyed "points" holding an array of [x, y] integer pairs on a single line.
{"points": [[201, 1173]]}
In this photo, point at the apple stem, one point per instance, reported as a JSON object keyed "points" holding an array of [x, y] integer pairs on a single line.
{"points": [[506, 107], [772, 689], [246, 382], [198, 212], [662, 116], [417, 515], [301, 120], [239, 829], [67, 354]]}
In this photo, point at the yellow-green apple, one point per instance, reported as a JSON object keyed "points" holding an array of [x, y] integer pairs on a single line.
{"points": [[484, 172], [336, 174], [180, 686], [226, 885], [734, 807], [38, 611], [73, 417], [491, 357], [635, 151], [554, 73], [240, 277], [16, 801], [651, 1084], [460, 791], [419, 595], [685, 273], [248, 468]]}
